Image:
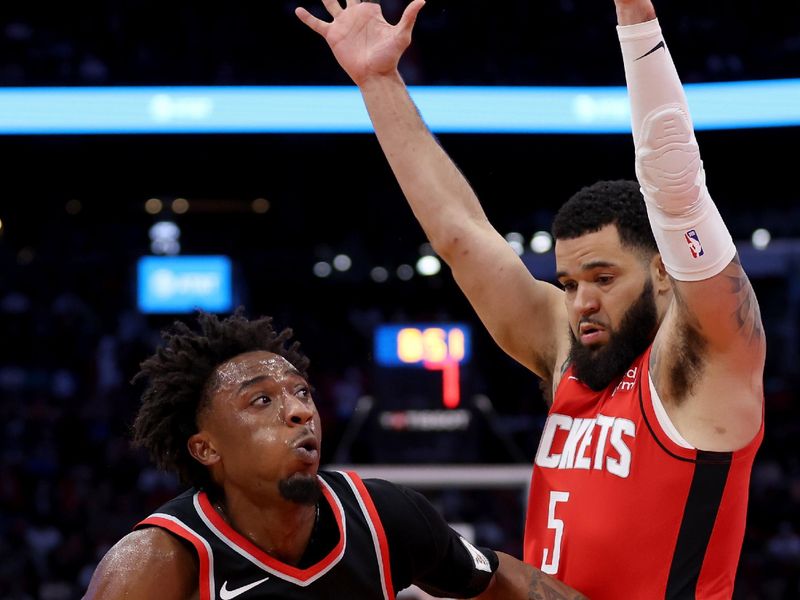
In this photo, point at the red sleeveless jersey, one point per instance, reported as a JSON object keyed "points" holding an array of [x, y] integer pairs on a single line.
{"points": [[618, 509]]}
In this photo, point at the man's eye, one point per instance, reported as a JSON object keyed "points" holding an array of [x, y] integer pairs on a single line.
{"points": [[604, 279], [262, 400], [304, 392], [569, 286]]}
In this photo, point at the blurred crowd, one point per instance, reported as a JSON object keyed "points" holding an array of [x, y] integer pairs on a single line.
{"points": [[456, 42]]}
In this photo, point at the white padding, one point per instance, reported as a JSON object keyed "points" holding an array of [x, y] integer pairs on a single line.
{"points": [[668, 161], [693, 240]]}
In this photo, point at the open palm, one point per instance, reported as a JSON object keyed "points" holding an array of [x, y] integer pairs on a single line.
{"points": [[362, 41]]}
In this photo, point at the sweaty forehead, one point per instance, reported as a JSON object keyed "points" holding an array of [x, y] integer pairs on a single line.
{"points": [[244, 367], [599, 247]]}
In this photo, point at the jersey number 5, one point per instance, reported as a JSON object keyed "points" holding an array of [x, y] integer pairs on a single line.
{"points": [[557, 525]]}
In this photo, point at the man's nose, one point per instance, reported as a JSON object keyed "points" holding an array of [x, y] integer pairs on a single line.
{"points": [[586, 300], [298, 411]]}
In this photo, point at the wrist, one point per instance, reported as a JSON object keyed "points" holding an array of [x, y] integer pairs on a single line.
{"points": [[378, 81]]}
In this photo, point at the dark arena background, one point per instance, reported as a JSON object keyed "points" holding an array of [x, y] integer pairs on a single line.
{"points": [[319, 236]]}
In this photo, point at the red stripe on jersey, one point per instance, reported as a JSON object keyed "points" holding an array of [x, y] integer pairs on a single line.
{"points": [[383, 543], [242, 542], [196, 541]]}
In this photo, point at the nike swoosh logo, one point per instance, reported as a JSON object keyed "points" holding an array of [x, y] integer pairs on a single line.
{"points": [[658, 47], [226, 594]]}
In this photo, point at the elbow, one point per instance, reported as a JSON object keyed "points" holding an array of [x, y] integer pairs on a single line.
{"points": [[450, 247], [455, 240]]}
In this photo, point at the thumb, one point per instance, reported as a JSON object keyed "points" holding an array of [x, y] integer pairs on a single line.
{"points": [[409, 17]]}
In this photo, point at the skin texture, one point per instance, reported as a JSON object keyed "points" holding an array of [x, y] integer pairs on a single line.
{"points": [[601, 279], [708, 355]]}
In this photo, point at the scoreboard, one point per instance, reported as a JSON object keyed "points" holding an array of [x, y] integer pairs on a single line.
{"points": [[430, 346]]}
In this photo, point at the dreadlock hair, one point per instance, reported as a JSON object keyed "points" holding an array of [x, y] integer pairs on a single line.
{"points": [[180, 376], [604, 203]]}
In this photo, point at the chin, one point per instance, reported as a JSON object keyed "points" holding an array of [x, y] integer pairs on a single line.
{"points": [[301, 488]]}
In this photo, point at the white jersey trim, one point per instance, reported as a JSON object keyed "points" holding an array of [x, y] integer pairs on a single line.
{"points": [[663, 418], [373, 533], [280, 574]]}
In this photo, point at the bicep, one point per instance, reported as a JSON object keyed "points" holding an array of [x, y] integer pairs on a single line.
{"points": [[724, 311], [145, 564], [525, 316]]}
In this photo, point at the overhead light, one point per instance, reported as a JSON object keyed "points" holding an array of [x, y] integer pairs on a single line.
{"points": [[405, 272], [429, 265], [180, 206], [342, 262], [322, 269], [153, 206], [761, 239], [379, 274], [541, 242], [426, 249], [260, 205], [164, 237]]}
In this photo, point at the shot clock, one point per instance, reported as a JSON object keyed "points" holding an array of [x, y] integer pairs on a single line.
{"points": [[434, 347]]}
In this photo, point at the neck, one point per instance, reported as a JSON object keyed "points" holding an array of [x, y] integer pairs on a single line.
{"points": [[279, 527]]}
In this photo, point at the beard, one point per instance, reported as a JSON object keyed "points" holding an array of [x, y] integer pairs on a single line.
{"points": [[300, 488], [597, 366]]}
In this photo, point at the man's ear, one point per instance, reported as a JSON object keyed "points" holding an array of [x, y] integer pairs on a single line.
{"points": [[661, 279], [203, 449]]}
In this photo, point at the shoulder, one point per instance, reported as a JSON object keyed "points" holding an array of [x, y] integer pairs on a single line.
{"points": [[385, 495], [408, 518], [397, 501], [146, 563]]}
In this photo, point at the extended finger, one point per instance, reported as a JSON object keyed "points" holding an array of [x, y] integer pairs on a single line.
{"points": [[318, 25], [333, 7], [409, 17]]}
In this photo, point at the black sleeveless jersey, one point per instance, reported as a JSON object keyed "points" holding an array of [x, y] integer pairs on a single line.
{"points": [[358, 565]]}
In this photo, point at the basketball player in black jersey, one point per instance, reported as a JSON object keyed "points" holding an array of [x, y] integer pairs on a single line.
{"points": [[230, 410]]}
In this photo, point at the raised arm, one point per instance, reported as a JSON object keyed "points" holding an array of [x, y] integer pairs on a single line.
{"points": [[525, 316], [709, 353], [145, 564]]}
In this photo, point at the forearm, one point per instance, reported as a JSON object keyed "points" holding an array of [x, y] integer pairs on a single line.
{"points": [[440, 197], [516, 580], [691, 237]]}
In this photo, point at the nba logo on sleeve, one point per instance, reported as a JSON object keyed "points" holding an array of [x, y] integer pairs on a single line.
{"points": [[695, 247]]}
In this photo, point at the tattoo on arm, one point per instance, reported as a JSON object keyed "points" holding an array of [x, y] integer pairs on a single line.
{"points": [[747, 315], [544, 587]]}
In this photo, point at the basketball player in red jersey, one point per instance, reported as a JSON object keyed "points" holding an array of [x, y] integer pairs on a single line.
{"points": [[229, 408], [653, 348]]}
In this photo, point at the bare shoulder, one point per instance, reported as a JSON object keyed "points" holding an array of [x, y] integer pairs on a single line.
{"points": [[147, 563], [713, 394]]}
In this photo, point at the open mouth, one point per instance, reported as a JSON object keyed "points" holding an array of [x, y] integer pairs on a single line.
{"points": [[591, 333], [307, 449]]}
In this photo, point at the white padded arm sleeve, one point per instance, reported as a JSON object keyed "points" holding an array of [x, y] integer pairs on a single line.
{"points": [[691, 236]]}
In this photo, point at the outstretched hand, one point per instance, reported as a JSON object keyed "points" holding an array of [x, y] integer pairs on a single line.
{"points": [[363, 43]]}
